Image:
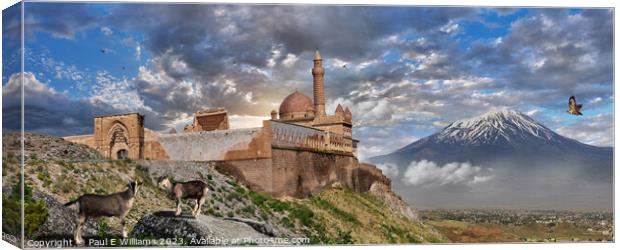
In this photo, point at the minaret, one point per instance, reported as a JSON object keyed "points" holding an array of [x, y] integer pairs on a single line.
{"points": [[318, 84]]}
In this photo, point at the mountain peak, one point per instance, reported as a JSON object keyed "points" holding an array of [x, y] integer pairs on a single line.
{"points": [[500, 113], [495, 126]]}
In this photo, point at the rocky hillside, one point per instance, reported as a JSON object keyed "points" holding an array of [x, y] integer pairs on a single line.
{"points": [[37, 146], [59, 171]]}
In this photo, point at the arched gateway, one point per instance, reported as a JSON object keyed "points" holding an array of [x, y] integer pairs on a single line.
{"points": [[120, 136]]}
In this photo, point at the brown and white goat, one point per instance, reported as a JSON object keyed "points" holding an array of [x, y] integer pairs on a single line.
{"points": [[112, 205], [186, 190]]}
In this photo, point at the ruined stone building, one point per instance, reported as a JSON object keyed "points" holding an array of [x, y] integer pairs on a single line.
{"points": [[300, 150], [208, 120]]}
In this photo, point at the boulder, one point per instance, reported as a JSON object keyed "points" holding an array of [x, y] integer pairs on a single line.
{"points": [[257, 225], [200, 231]]}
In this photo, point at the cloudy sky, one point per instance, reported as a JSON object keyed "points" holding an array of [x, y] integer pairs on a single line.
{"points": [[409, 70]]}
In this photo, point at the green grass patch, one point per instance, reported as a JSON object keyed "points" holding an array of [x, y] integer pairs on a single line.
{"points": [[240, 190], [303, 214], [346, 216], [35, 212], [277, 205], [44, 176], [143, 175], [398, 235], [257, 198], [249, 209]]}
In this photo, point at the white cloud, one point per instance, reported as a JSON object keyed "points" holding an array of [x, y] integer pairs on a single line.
{"points": [[468, 82], [373, 111], [248, 97], [450, 27], [118, 93], [440, 124], [338, 63], [366, 64], [389, 169], [596, 130], [290, 60], [31, 84], [276, 53], [533, 112], [61, 70], [429, 61], [106, 31], [246, 121], [596, 100], [138, 52], [428, 174]]}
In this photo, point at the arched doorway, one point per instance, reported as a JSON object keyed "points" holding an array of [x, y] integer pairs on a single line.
{"points": [[119, 143], [122, 154]]}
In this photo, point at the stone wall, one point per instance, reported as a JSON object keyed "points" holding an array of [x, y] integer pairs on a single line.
{"points": [[257, 174], [219, 145], [300, 172]]}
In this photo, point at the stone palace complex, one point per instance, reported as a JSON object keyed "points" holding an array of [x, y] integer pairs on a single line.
{"points": [[300, 150]]}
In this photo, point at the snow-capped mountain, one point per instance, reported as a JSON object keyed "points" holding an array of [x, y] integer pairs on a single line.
{"points": [[503, 126], [506, 136], [516, 161]]}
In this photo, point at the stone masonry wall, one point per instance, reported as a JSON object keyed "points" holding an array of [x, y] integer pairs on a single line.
{"points": [[216, 145], [298, 172]]}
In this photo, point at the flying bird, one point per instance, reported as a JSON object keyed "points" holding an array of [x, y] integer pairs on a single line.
{"points": [[103, 50], [573, 107], [344, 66]]}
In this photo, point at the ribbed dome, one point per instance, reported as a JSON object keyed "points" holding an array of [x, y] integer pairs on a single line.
{"points": [[296, 102]]}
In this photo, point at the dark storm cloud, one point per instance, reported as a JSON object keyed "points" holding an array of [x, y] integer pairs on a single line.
{"points": [[11, 26], [47, 111], [207, 37], [404, 64], [226, 49], [60, 20], [553, 49]]}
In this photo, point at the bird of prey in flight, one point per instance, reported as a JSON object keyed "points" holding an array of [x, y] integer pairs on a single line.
{"points": [[573, 107]]}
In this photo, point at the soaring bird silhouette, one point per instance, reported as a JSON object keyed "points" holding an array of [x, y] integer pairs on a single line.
{"points": [[573, 107]]}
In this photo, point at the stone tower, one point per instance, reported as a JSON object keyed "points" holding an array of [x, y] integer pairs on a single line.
{"points": [[318, 84]]}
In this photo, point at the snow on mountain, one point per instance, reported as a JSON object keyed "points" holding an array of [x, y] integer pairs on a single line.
{"points": [[495, 135], [505, 126]]}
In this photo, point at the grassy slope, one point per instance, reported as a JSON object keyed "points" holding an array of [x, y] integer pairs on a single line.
{"points": [[66, 181], [365, 218]]}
